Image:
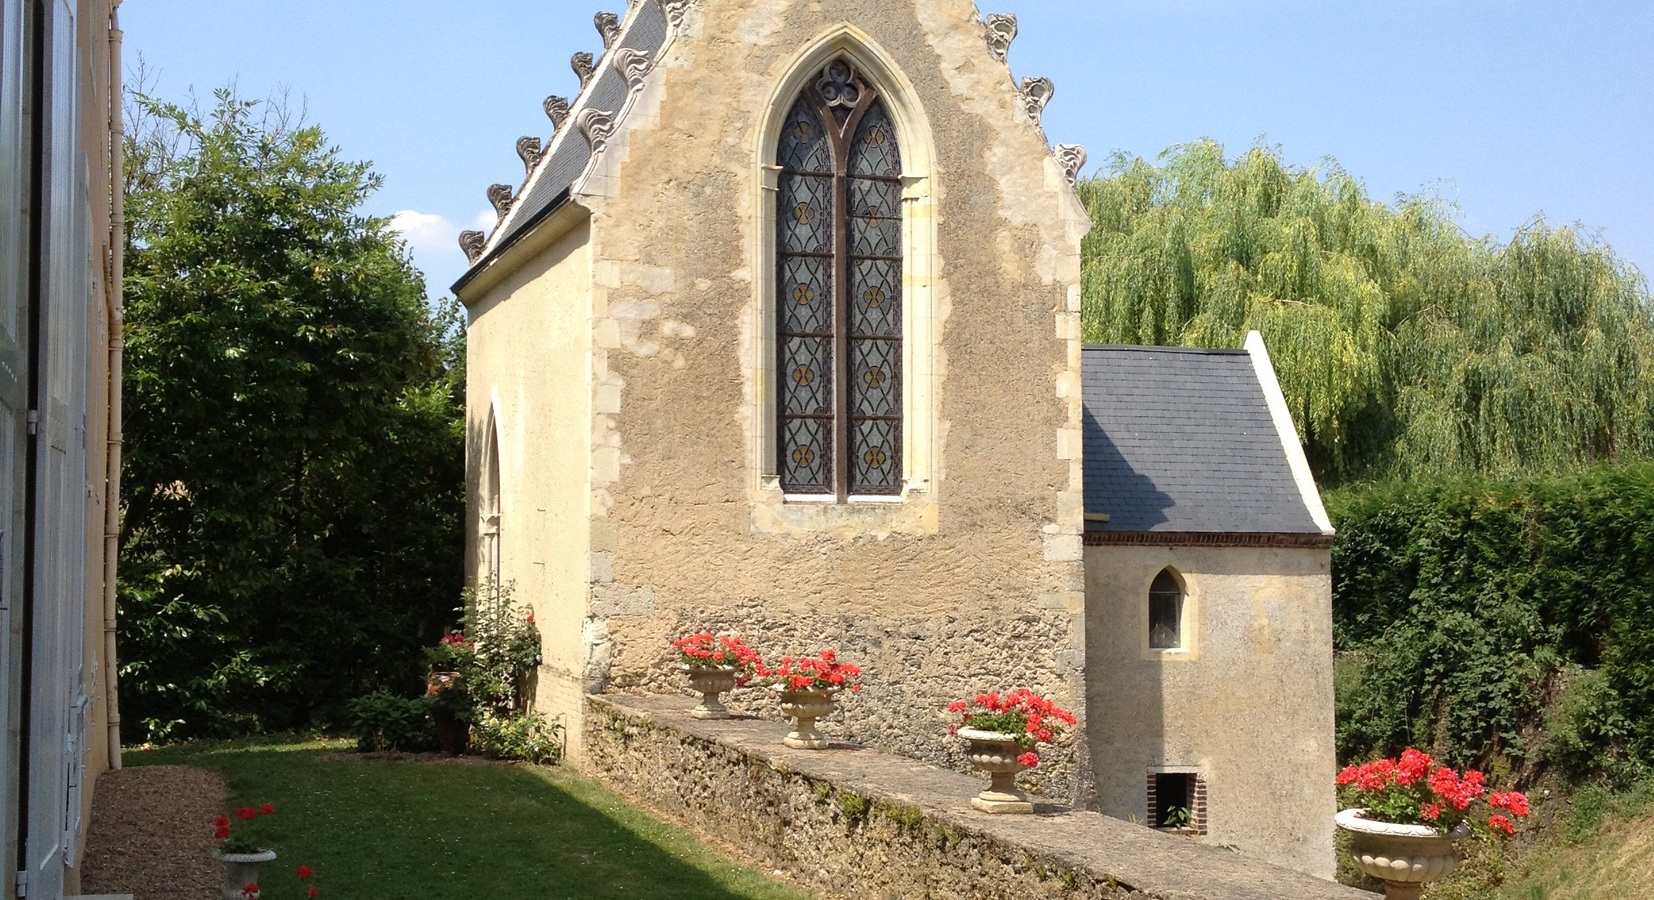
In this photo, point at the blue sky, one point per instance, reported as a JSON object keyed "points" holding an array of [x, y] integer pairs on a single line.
{"points": [[1507, 108]]}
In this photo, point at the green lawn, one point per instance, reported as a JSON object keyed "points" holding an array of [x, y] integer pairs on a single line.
{"points": [[422, 829]]}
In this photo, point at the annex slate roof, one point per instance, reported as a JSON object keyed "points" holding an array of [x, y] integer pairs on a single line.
{"points": [[1180, 440]]}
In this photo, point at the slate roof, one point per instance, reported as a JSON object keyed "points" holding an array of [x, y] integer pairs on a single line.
{"points": [[1180, 440], [646, 32], [566, 157]]}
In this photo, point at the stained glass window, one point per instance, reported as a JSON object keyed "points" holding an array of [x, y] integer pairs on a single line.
{"points": [[839, 301]]}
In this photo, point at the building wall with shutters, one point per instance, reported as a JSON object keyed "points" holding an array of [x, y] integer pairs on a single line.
{"points": [[55, 279]]}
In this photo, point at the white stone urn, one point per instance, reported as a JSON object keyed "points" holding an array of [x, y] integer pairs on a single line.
{"points": [[805, 707], [711, 681], [240, 870], [1404, 857], [996, 753]]}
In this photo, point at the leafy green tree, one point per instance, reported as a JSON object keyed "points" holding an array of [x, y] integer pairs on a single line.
{"points": [[1403, 345], [294, 465]]}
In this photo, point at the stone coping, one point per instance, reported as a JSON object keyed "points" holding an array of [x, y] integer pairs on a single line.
{"points": [[794, 815]]}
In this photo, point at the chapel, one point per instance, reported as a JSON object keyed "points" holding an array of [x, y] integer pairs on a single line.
{"points": [[779, 335]]}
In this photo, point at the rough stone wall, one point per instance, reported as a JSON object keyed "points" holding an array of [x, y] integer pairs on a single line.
{"points": [[1251, 707], [984, 589], [852, 823], [528, 366]]}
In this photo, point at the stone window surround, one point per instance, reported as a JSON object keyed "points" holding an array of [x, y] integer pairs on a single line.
{"points": [[490, 508], [1189, 627], [913, 512]]}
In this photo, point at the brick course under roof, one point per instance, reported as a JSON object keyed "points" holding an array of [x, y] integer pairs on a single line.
{"points": [[1181, 440]]}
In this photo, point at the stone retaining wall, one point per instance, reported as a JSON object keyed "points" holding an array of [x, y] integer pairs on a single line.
{"points": [[852, 822]]}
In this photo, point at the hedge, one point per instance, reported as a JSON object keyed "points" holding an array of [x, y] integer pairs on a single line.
{"points": [[1499, 621]]}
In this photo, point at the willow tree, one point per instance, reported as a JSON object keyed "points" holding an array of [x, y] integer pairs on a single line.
{"points": [[1403, 345]]}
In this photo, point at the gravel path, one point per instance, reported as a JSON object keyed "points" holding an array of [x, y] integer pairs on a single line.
{"points": [[151, 834]]}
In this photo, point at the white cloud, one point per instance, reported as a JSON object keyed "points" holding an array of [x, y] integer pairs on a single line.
{"points": [[426, 232]]}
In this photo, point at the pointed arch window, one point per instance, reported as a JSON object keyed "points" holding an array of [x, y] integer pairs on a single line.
{"points": [[1166, 601], [839, 293], [489, 526]]}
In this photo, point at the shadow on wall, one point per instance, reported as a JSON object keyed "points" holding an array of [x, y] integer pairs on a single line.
{"points": [[1115, 487], [1116, 676]]}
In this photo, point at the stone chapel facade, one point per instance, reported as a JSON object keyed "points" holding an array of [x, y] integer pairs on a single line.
{"points": [[780, 336]]}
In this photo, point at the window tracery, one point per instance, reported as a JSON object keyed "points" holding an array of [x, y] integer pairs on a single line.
{"points": [[839, 292]]}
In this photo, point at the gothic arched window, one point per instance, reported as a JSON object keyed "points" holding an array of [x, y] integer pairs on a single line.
{"points": [[1166, 599], [839, 292]]}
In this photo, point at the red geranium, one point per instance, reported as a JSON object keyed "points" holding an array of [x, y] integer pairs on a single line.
{"points": [[1413, 790], [707, 651], [822, 672], [243, 837], [1033, 719]]}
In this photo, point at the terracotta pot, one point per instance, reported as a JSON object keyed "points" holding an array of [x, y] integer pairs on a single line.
{"points": [[240, 870], [710, 682], [806, 707], [437, 682], [1404, 857], [996, 753]]}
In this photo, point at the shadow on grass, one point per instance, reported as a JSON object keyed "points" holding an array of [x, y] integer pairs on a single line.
{"points": [[433, 829]]}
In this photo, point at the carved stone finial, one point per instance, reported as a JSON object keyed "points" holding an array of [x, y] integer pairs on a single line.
{"points": [[634, 65], [676, 10], [608, 25], [597, 125], [473, 242], [501, 196], [584, 67], [1072, 157], [557, 110], [1002, 30], [1036, 92], [529, 149]]}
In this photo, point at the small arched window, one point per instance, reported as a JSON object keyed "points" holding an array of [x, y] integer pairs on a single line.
{"points": [[488, 510], [839, 293], [1166, 599]]}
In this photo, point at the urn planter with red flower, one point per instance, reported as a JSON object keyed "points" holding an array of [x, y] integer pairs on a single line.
{"points": [[1003, 730], [808, 685], [242, 848], [1406, 815], [715, 666], [998, 754]]}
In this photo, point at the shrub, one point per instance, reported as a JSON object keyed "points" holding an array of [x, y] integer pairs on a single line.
{"points": [[385, 722], [525, 736]]}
